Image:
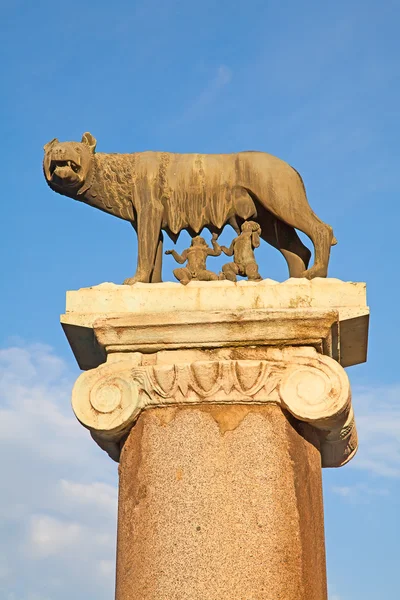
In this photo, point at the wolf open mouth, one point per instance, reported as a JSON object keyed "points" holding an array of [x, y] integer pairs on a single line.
{"points": [[59, 166]]}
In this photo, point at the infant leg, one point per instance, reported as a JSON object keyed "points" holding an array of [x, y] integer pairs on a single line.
{"points": [[230, 270], [251, 271], [183, 275], [205, 275]]}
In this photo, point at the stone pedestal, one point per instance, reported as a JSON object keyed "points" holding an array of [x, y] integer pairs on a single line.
{"points": [[220, 502], [221, 402]]}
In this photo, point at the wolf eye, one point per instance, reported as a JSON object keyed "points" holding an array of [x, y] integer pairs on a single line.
{"points": [[78, 149]]}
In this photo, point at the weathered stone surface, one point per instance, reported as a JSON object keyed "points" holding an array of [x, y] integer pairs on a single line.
{"points": [[299, 301], [220, 503], [218, 329], [226, 399], [107, 298], [311, 387]]}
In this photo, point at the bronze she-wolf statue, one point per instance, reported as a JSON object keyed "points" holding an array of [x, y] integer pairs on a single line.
{"points": [[158, 191]]}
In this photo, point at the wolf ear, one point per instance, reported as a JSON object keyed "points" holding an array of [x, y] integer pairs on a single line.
{"points": [[89, 140], [47, 146]]}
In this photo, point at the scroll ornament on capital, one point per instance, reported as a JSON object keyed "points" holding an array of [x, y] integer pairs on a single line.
{"points": [[314, 389]]}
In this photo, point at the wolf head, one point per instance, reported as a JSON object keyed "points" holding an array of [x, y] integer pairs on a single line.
{"points": [[67, 165]]}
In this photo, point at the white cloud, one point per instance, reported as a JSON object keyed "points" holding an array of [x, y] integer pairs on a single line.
{"points": [[60, 499], [377, 413], [359, 492], [344, 491], [49, 536], [5, 570], [332, 593], [106, 568], [34, 397], [93, 495], [208, 95]]}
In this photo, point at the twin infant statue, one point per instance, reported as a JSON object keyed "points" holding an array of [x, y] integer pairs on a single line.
{"points": [[241, 248]]}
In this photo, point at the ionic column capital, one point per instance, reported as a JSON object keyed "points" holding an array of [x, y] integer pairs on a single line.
{"points": [[312, 387]]}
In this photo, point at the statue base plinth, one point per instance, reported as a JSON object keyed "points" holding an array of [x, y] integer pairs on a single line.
{"points": [[170, 300]]}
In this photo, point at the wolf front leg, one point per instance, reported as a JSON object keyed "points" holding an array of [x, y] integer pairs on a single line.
{"points": [[156, 273], [149, 248]]}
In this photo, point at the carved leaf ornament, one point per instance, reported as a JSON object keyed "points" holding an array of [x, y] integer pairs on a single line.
{"points": [[107, 400]]}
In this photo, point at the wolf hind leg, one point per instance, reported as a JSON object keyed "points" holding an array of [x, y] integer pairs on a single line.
{"points": [[284, 238], [322, 237]]}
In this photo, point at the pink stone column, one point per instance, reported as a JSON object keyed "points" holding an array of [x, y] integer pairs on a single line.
{"points": [[220, 503]]}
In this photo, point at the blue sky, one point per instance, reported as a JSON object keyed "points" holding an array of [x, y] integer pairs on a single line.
{"points": [[317, 84]]}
